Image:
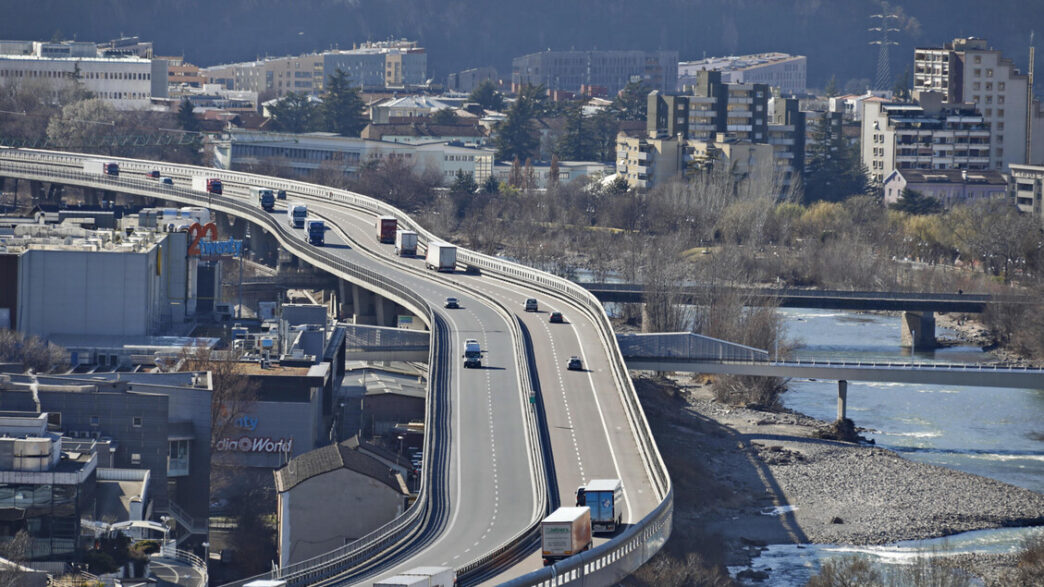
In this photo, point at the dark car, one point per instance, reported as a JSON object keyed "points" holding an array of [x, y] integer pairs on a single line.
{"points": [[452, 303], [556, 317], [575, 364], [166, 180], [154, 174]]}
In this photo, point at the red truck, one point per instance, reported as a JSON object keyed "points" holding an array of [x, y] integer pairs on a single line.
{"points": [[386, 227]]}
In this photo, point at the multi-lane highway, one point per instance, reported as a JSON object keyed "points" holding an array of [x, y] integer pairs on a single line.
{"points": [[487, 486]]}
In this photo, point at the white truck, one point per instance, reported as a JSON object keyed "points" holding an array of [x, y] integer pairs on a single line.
{"points": [[99, 167], [441, 256], [405, 243], [567, 531], [422, 577], [207, 185], [296, 214], [472, 354], [605, 499]]}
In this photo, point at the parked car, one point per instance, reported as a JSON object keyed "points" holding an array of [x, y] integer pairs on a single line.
{"points": [[575, 364], [452, 303], [531, 305], [556, 318]]}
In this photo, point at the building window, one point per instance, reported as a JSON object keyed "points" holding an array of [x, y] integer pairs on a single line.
{"points": [[136, 421], [1000, 86], [977, 72], [1000, 112], [1000, 99], [978, 59], [95, 420], [135, 458], [976, 85]]}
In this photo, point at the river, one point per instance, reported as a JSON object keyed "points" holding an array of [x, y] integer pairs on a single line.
{"points": [[993, 432]]}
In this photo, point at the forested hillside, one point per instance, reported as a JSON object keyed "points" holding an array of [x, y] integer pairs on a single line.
{"points": [[466, 33]]}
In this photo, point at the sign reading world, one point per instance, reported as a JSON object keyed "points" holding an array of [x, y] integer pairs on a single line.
{"points": [[255, 445], [201, 247]]}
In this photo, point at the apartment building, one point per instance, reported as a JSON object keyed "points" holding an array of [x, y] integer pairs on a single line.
{"points": [[1027, 188], [710, 108], [969, 71], [390, 64], [646, 162], [929, 135], [611, 70], [779, 70], [948, 186]]}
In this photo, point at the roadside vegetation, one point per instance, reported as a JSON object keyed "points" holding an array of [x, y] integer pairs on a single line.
{"points": [[31, 352]]}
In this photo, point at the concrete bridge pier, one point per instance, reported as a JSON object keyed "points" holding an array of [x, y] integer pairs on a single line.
{"points": [[842, 399], [364, 306], [918, 330]]}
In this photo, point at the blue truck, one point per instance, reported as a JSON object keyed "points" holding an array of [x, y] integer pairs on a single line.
{"points": [[316, 231]]}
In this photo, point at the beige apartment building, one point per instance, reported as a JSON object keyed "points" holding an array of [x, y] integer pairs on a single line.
{"points": [[1027, 188], [969, 71]]}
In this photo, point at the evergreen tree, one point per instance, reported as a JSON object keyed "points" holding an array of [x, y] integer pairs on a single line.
{"points": [[831, 87], [632, 102], [487, 96], [186, 119], [529, 178], [833, 169], [342, 108], [901, 89], [491, 185], [914, 202], [515, 179], [577, 142], [464, 183], [514, 135], [294, 113]]}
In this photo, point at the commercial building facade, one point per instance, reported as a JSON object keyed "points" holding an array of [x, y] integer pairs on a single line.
{"points": [[611, 70], [779, 70], [127, 83]]}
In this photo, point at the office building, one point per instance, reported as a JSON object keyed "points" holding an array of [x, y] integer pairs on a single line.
{"points": [[609, 70], [465, 81], [1027, 187], [778, 70], [948, 186], [63, 280], [44, 491], [382, 65], [305, 153], [969, 71], [931, 135], [128, 83]]}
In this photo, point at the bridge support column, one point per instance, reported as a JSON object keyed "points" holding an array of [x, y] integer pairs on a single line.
{"points": [[842, 399], [918, 330], [363, 305], [387, 312]]}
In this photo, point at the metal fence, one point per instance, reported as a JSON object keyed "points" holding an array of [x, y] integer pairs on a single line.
{"points": [[686, 345]]}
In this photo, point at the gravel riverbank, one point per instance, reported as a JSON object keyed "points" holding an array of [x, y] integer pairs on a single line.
{"points": [[745, 478]]}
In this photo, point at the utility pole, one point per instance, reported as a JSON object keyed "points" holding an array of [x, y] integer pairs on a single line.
{"points": [[1030, 110], [884, 68]]}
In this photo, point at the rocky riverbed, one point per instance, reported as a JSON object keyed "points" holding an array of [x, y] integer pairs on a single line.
{"points": [[745, 478]]}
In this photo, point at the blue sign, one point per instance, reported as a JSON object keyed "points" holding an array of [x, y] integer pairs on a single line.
{"points": [[219, 248]]}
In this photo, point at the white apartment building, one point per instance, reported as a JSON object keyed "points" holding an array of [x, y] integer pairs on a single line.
{"points": [[1027, 188], [930, 135], [779, 70], [968, 70]]}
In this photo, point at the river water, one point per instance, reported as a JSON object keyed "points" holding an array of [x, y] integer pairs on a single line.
{"points": [[994, 432]]}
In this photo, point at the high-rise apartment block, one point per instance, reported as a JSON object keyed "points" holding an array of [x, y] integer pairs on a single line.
{"points": [[929, 135], [608, 70], [779, 70], [969, 71], [712, 112]]}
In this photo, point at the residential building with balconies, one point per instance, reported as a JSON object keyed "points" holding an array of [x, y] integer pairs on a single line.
{"points": [[1027, 188], [927, 136]]}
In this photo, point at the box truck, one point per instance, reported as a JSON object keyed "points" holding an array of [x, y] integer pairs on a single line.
{"points": [[296, 214], [98, 167], [441, 256], [386, 226], [316, 231], [405, 243], [264, 197], [211, 185], [567, 531], [604, 497]]}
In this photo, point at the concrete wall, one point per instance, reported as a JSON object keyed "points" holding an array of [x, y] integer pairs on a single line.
{"points": [[328, 510]]}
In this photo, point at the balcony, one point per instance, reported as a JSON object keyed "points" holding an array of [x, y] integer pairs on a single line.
{"points": [[642, 155], [738, 128]]}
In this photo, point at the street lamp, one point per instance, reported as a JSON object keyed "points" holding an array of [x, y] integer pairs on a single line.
{"points": [[400, 444], [206, 553]]}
